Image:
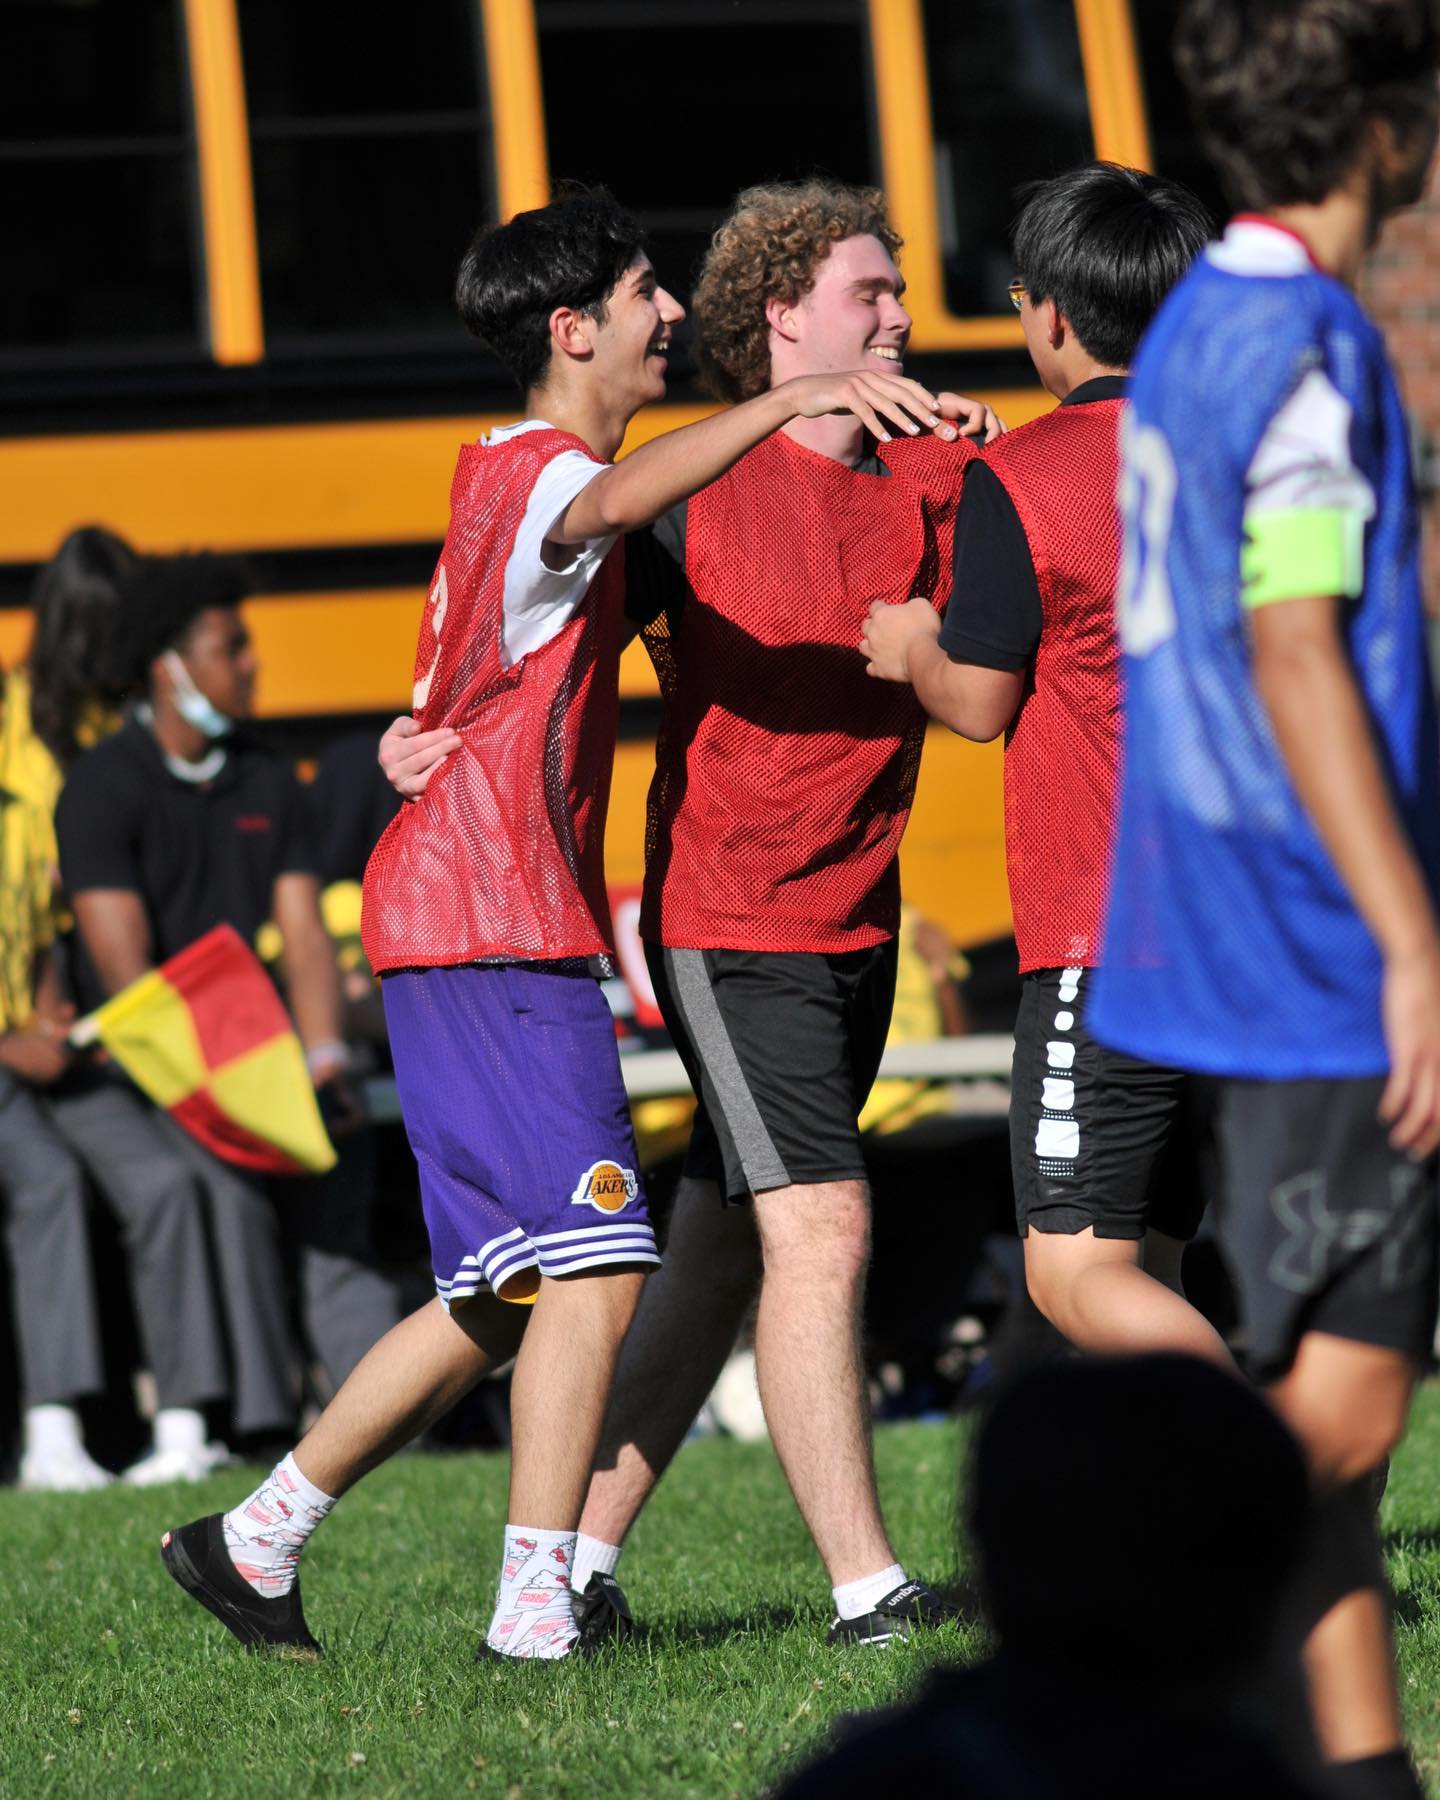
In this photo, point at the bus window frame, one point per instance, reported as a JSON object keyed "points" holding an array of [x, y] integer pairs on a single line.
{"points": [[1116, 102], [229, 229], [899, 81], [227, 192]]}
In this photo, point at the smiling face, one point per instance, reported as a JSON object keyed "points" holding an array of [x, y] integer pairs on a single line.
{"points": [[631, 347], [850, 319]]}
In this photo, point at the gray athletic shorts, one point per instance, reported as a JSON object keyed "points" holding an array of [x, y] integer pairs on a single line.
{"points": [[781, 1048]]}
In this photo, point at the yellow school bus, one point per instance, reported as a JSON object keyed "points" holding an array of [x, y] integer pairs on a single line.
{"points": [[232, 229]]}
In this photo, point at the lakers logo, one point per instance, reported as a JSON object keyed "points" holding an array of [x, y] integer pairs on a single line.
{"points": [[607, 1187]]}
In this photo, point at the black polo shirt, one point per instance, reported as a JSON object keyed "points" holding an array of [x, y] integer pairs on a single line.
{"points": [[198, 855]]}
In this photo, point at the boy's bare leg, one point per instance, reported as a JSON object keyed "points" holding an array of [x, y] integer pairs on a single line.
{"points": [[684, 1329], [1094, 1291], [410, 1378], [816, 1244], [559, 1390], [1346, 1402]]}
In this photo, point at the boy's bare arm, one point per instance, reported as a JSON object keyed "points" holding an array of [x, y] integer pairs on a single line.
{"points": [[901, 643], [669, 469], [1304, 679]]}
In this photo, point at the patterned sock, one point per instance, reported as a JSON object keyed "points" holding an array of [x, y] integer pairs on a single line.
{"points": [[856, 1598], [533, 1612], [592, 1554], [266, 1533]]}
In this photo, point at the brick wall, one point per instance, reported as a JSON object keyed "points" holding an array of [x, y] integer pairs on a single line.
{"points": [[1401, 288]]}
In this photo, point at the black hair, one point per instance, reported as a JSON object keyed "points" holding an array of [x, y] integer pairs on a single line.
{"points": [[572, 253], [1107, 244], [1282, 91], [172, 592], [82, 601], [1181, 1499]]}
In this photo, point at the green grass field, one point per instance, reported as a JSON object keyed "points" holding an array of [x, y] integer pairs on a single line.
{"points": [[113, 1683]]}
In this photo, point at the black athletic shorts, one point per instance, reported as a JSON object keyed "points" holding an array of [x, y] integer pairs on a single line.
{"points": [[781, 1048], [1324, 1227], [1097, 1140]]}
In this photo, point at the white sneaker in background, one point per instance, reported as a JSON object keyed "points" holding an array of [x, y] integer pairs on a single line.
{"points": [[54, 1459], [69, 1470], [178, 1463], [180, 1453], [735, 1400]]}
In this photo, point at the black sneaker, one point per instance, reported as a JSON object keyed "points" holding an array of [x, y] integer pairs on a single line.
{"points": [[603, 1613], [911, 1608], [199, 1559]]}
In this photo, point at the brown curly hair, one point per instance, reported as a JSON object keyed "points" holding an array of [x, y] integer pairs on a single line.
{"points": [[770, 249]]}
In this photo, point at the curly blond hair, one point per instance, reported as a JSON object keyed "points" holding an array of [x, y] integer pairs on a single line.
{"points": [[770, 249]]}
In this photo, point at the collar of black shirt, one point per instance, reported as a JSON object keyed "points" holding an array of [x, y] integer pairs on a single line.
{"points": [[1099, 387]]}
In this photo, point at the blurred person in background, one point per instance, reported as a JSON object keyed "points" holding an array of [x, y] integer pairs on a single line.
{"points": [[56, 1126], [173, 825], [47, 1236], [1115, 1675]]}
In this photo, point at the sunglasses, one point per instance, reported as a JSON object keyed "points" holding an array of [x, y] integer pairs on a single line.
{"points": [[1017, 291]]}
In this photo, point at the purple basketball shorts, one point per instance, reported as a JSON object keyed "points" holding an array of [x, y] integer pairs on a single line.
{"points": [[509, 1081]]}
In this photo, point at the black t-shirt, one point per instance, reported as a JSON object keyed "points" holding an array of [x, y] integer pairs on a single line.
{"points": [[655, 560], [351, 803], [198, 855], [995, 617]]}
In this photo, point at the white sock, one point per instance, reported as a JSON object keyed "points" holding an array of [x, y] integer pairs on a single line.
{"points": [[856, 1598], [592, 1554], [179, 1428], [266, 1533], [51, 1430], [533, 1611]]}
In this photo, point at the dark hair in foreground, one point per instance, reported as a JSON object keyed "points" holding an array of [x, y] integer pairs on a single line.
{"points": [[571, 253], [1107, 244], [173, 592], [1283, 91], [1135, 1517], [82, 601]]}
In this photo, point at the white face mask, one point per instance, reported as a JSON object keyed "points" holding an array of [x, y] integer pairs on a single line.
{"points": [[191, 704]]}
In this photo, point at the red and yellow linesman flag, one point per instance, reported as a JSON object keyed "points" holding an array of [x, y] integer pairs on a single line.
{"points": [[206, 1037]]}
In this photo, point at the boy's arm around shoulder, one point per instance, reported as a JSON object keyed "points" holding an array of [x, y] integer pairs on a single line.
{"points": [[670, 468]]}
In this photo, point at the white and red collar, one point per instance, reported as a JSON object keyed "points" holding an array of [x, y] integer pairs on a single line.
{"points": [[1256, 245]]}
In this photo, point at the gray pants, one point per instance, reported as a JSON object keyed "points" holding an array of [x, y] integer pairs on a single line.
{"points": [[48, 1242], [48, 1144], [345, 1303], [212, 1326]]}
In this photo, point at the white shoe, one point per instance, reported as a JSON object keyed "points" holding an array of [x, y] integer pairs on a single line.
{"points": [[64, 1469], [735, 1400], [191, 1463]]}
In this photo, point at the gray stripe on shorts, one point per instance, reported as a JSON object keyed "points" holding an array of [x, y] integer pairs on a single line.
{"points": [[759, 1158]]}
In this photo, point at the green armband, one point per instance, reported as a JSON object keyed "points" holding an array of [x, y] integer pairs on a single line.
{"points": [[1293, 555]]}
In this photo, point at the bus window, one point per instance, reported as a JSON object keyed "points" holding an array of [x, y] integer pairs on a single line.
{"points": [[677, 104], [1175, 147], [1008, 101], [371, 155], [96, 182]]}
